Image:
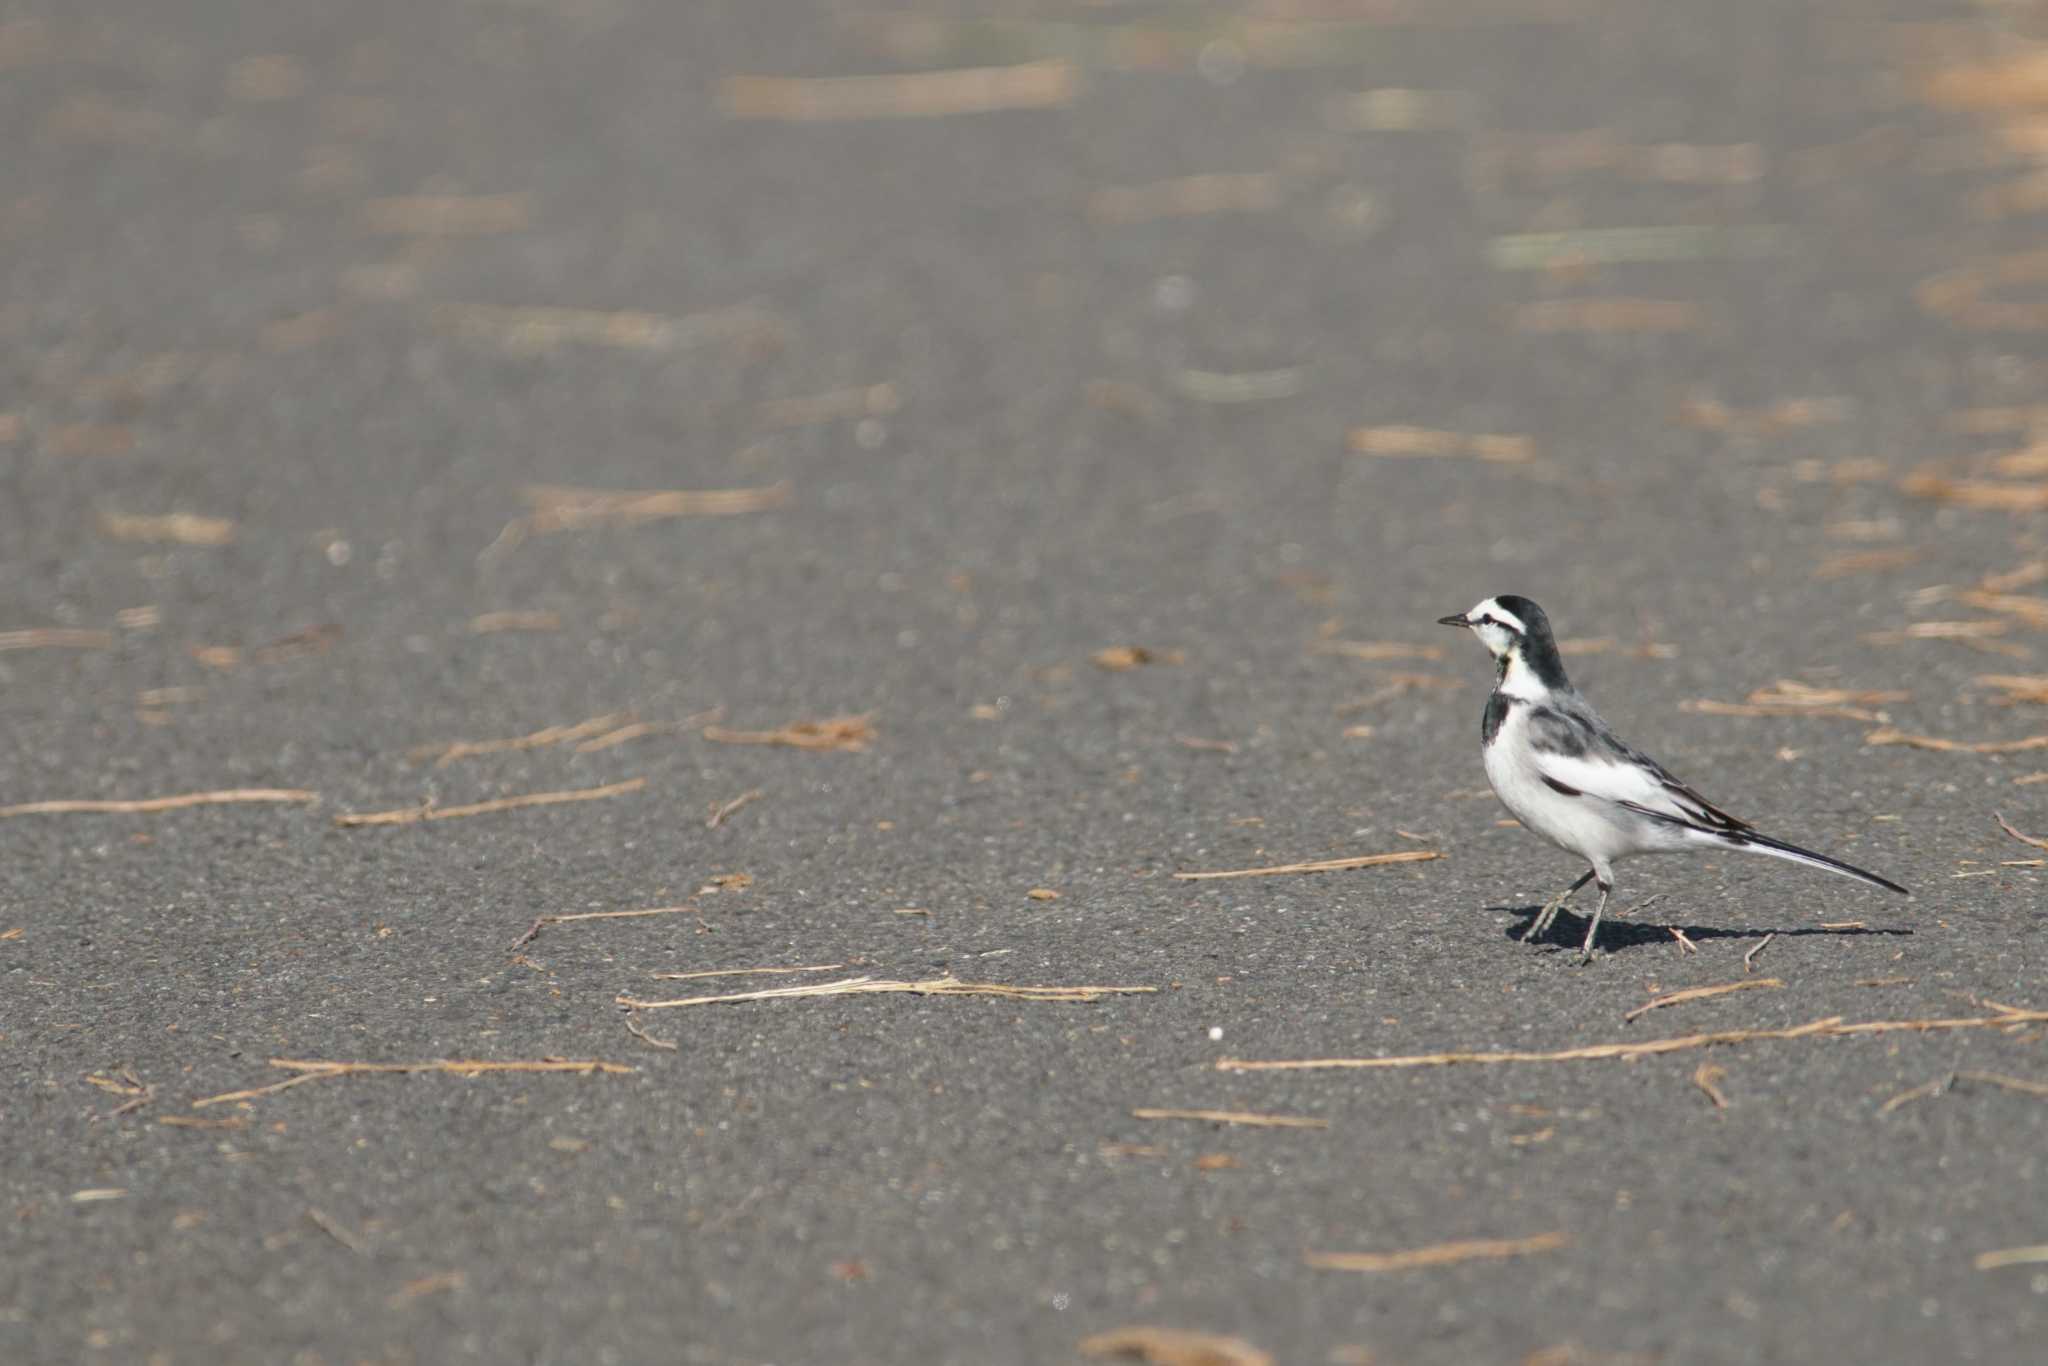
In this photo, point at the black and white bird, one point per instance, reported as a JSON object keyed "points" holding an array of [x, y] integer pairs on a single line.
{"points": [[1554, 763]]}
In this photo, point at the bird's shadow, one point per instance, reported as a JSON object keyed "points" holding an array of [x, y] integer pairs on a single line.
{"points": [[1569, 930]]}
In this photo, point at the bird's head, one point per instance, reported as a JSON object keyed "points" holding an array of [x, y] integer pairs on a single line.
{"points": [[1517, 634]]}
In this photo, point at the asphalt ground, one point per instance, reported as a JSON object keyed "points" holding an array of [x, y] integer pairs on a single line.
{"points": [[352, 280]]}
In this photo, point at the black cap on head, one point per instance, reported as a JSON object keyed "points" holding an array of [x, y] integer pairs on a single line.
{"points": [[1534, 624]]}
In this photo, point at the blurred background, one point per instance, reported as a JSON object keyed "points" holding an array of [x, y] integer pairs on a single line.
{"points": [[1076, 413], [1362, 296]]}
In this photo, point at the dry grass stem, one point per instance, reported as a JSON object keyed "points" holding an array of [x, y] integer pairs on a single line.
{"points": [[1707, 1077], [1192, 196], [1243, 1117], [2017, 687], [1173, 1347], [1975, 634], [2032, 572], [1238, 386], [641, 729], [333, 1228], [542, 922], [313, 640], [936, 986], [873, 400], [850, 733], [2033, 611], [1397, 685], [226, 796], [413, 815], [198, 1122], [562, 508], [1789, 697], [1831, 1027], [138, 1092], [1441, 1254], [633, 1028], [54, 638], [1794, 695], [1328, 865], [1394, 109], [2012, 1256], [1209, 746], [1867, 562], [1705, 706], [90, 439], [635, 730], [2020, 1084], [168, 697], [441, 1282], [1428, 442], [1121, 658], [720, 810], [537, 331], [1581, 248], [1959, 295], [1749, 959], [1977, 493], [1993, 421], [923, 94], [175, 528], [1792, 414], [1865, 529], [126, 1084], [447, 753], [1890, 735], [310, 1070], [1679, 998], [489, 623], [741, 972], [1925, 1091], [2006, 826]]}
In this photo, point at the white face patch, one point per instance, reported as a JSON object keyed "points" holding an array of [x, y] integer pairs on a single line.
{"points": [[1497, 628]]}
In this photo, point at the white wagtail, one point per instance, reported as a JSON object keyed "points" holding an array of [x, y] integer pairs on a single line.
{"points": [[1554, 763]]}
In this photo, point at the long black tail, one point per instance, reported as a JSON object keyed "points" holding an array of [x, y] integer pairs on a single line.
{"points": [[1764, 844]]}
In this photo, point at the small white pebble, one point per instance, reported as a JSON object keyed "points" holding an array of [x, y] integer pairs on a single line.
{"points": [[1215, 1033], [1173, 294], [1220, 61]]}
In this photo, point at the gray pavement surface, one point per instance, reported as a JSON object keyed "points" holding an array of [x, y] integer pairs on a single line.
{"points": [[355, 278]]}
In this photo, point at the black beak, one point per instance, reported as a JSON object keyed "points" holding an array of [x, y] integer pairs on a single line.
{"points": [[1458, 620]]}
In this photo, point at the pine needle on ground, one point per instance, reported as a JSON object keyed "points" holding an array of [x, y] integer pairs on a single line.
{"points": [[935, 986]]}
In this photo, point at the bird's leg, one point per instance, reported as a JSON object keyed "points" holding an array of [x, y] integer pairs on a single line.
{"points": [[1550, 910], [1593, 930]]}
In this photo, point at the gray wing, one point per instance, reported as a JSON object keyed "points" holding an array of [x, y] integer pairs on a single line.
{"points": [[1578, 755]]}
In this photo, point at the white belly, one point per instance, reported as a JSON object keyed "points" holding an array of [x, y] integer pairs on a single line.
{"points": [[1581, 825]]}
